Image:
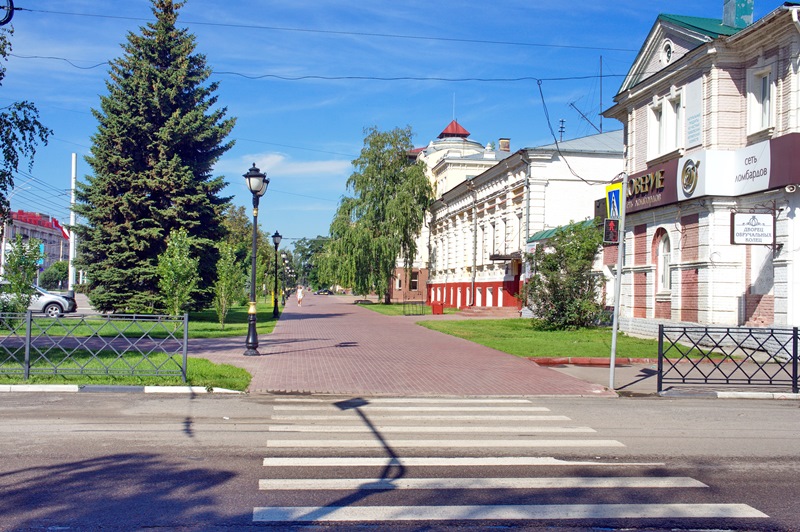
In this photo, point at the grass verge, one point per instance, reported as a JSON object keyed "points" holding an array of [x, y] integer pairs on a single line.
{"points": [[396, 309], [107, 368], [204, 324], [515, 336]]}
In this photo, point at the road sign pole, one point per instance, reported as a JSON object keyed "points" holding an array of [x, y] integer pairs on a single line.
{"points": [[618, 283]]}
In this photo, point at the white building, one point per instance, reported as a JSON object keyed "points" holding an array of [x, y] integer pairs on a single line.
{"points": [[450, 159], [711, 113], [479, 227]]}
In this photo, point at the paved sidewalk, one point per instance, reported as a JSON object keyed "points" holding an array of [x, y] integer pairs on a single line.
{"points": [[331, 346]]}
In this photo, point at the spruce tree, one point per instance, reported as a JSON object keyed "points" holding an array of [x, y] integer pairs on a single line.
{"points": [[158, 137]]}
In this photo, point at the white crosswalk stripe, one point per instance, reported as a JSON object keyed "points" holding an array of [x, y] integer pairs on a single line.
{"points": [[419, 429], [476, 434], [502, 512], [476, 483]]}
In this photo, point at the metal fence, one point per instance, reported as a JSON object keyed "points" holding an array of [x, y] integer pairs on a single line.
{"points": [[108, 345], [727, 356], [414, 307]]}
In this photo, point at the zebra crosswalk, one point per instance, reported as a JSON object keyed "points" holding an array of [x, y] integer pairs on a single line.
{"points": [[438, 459]]}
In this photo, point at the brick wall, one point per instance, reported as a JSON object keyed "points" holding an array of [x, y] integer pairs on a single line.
{"points": [[690, 297], [690, 287], [640, 278], [759, 310], [664, 310], [690, 240], [640, 245], [639, 295], [610, 253]]}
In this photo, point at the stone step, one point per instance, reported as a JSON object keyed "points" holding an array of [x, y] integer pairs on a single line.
{"points": [[494, 312]]}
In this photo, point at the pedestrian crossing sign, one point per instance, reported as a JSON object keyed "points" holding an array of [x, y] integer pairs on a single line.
{"points": [[613, 198]]}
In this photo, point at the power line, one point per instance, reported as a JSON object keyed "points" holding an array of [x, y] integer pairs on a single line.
{"points": [[250, 26]]}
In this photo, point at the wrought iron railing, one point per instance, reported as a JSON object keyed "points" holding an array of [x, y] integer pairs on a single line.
{"points": [[111, 345], [414, 308], [727, 356]]}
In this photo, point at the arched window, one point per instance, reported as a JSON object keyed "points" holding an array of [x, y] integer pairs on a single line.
{"points": [[663, 253]]}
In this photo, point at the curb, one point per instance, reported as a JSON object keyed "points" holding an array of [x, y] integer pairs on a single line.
{"points": [[74, 388], [690, 394], [590, 361]]}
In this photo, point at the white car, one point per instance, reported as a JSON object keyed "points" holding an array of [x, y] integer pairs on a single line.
{"points": [[53, 305]]}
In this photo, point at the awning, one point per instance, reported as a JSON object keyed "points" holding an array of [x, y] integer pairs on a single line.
{"points": [[506, 257], [548, 233]]}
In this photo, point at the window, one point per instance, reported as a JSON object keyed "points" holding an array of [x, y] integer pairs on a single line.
{"points": [[666, 125], [414, 281], [663, 264], [760, 98], [763, 101]]}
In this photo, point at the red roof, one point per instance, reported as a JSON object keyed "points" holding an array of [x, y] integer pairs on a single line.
{"points": [[453, 129]]}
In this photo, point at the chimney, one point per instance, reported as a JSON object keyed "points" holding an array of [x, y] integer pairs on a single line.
{"points": [[737, 13], [505, 144]]}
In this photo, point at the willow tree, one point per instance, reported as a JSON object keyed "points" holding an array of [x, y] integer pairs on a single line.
{"points": [[159, 136], [377, 225]]}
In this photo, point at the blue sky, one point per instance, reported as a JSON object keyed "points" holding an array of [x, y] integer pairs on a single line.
{"points": [[304, 78]]}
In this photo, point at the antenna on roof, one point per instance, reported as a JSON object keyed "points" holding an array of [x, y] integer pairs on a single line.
{"points": [[561, 130], [584, 117], [454, 106]]}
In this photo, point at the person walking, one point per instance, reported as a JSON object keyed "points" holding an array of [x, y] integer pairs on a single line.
{"points": [[300, 294]]}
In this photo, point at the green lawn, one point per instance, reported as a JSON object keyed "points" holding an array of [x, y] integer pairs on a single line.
{"points": [[396, 309], [100, 371], [515, 336], [203, 324], [200, 372]]}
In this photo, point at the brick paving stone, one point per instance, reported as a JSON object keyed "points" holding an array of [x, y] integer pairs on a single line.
{"points": [[331, 346]]}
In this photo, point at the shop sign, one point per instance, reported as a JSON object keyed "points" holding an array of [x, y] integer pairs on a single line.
{"points": [[752, 228], [724, 173]]}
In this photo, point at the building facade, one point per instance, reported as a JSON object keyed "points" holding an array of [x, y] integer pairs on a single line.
{"points": [[711, 115], [46, 229], [479, 228], [450, 159]]}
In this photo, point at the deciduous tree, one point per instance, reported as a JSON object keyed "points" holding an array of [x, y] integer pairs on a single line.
{"points": [[562, 290], [20, 132], [22, 264], [177, 272], [229, 288], [378, 225]]}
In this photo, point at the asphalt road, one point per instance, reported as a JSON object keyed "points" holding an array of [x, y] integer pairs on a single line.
{"points": [[122, 461]]}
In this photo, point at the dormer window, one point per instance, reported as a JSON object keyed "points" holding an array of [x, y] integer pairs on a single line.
{"points": [[667, 51]]}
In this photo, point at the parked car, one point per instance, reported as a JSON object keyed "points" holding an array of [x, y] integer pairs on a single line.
{"points": [[48, 303], [324, 292]]}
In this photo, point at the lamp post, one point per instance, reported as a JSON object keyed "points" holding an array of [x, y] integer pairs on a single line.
{"points": [[276, 239], [257, 183], [283, 272]]}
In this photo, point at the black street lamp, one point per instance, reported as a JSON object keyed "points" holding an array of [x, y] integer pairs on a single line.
{"points": [[276, 239], [283, 272], [257, 183]]}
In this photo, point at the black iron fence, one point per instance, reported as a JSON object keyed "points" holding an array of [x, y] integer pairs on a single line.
{"points": [[727, 356], [108, 345], [414, 308]]}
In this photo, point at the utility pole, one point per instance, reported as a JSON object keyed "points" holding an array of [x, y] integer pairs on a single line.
{"points": [[71, 277]]}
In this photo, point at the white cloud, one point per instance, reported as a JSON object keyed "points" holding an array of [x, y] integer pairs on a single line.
{"points": [[278, 164]]}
